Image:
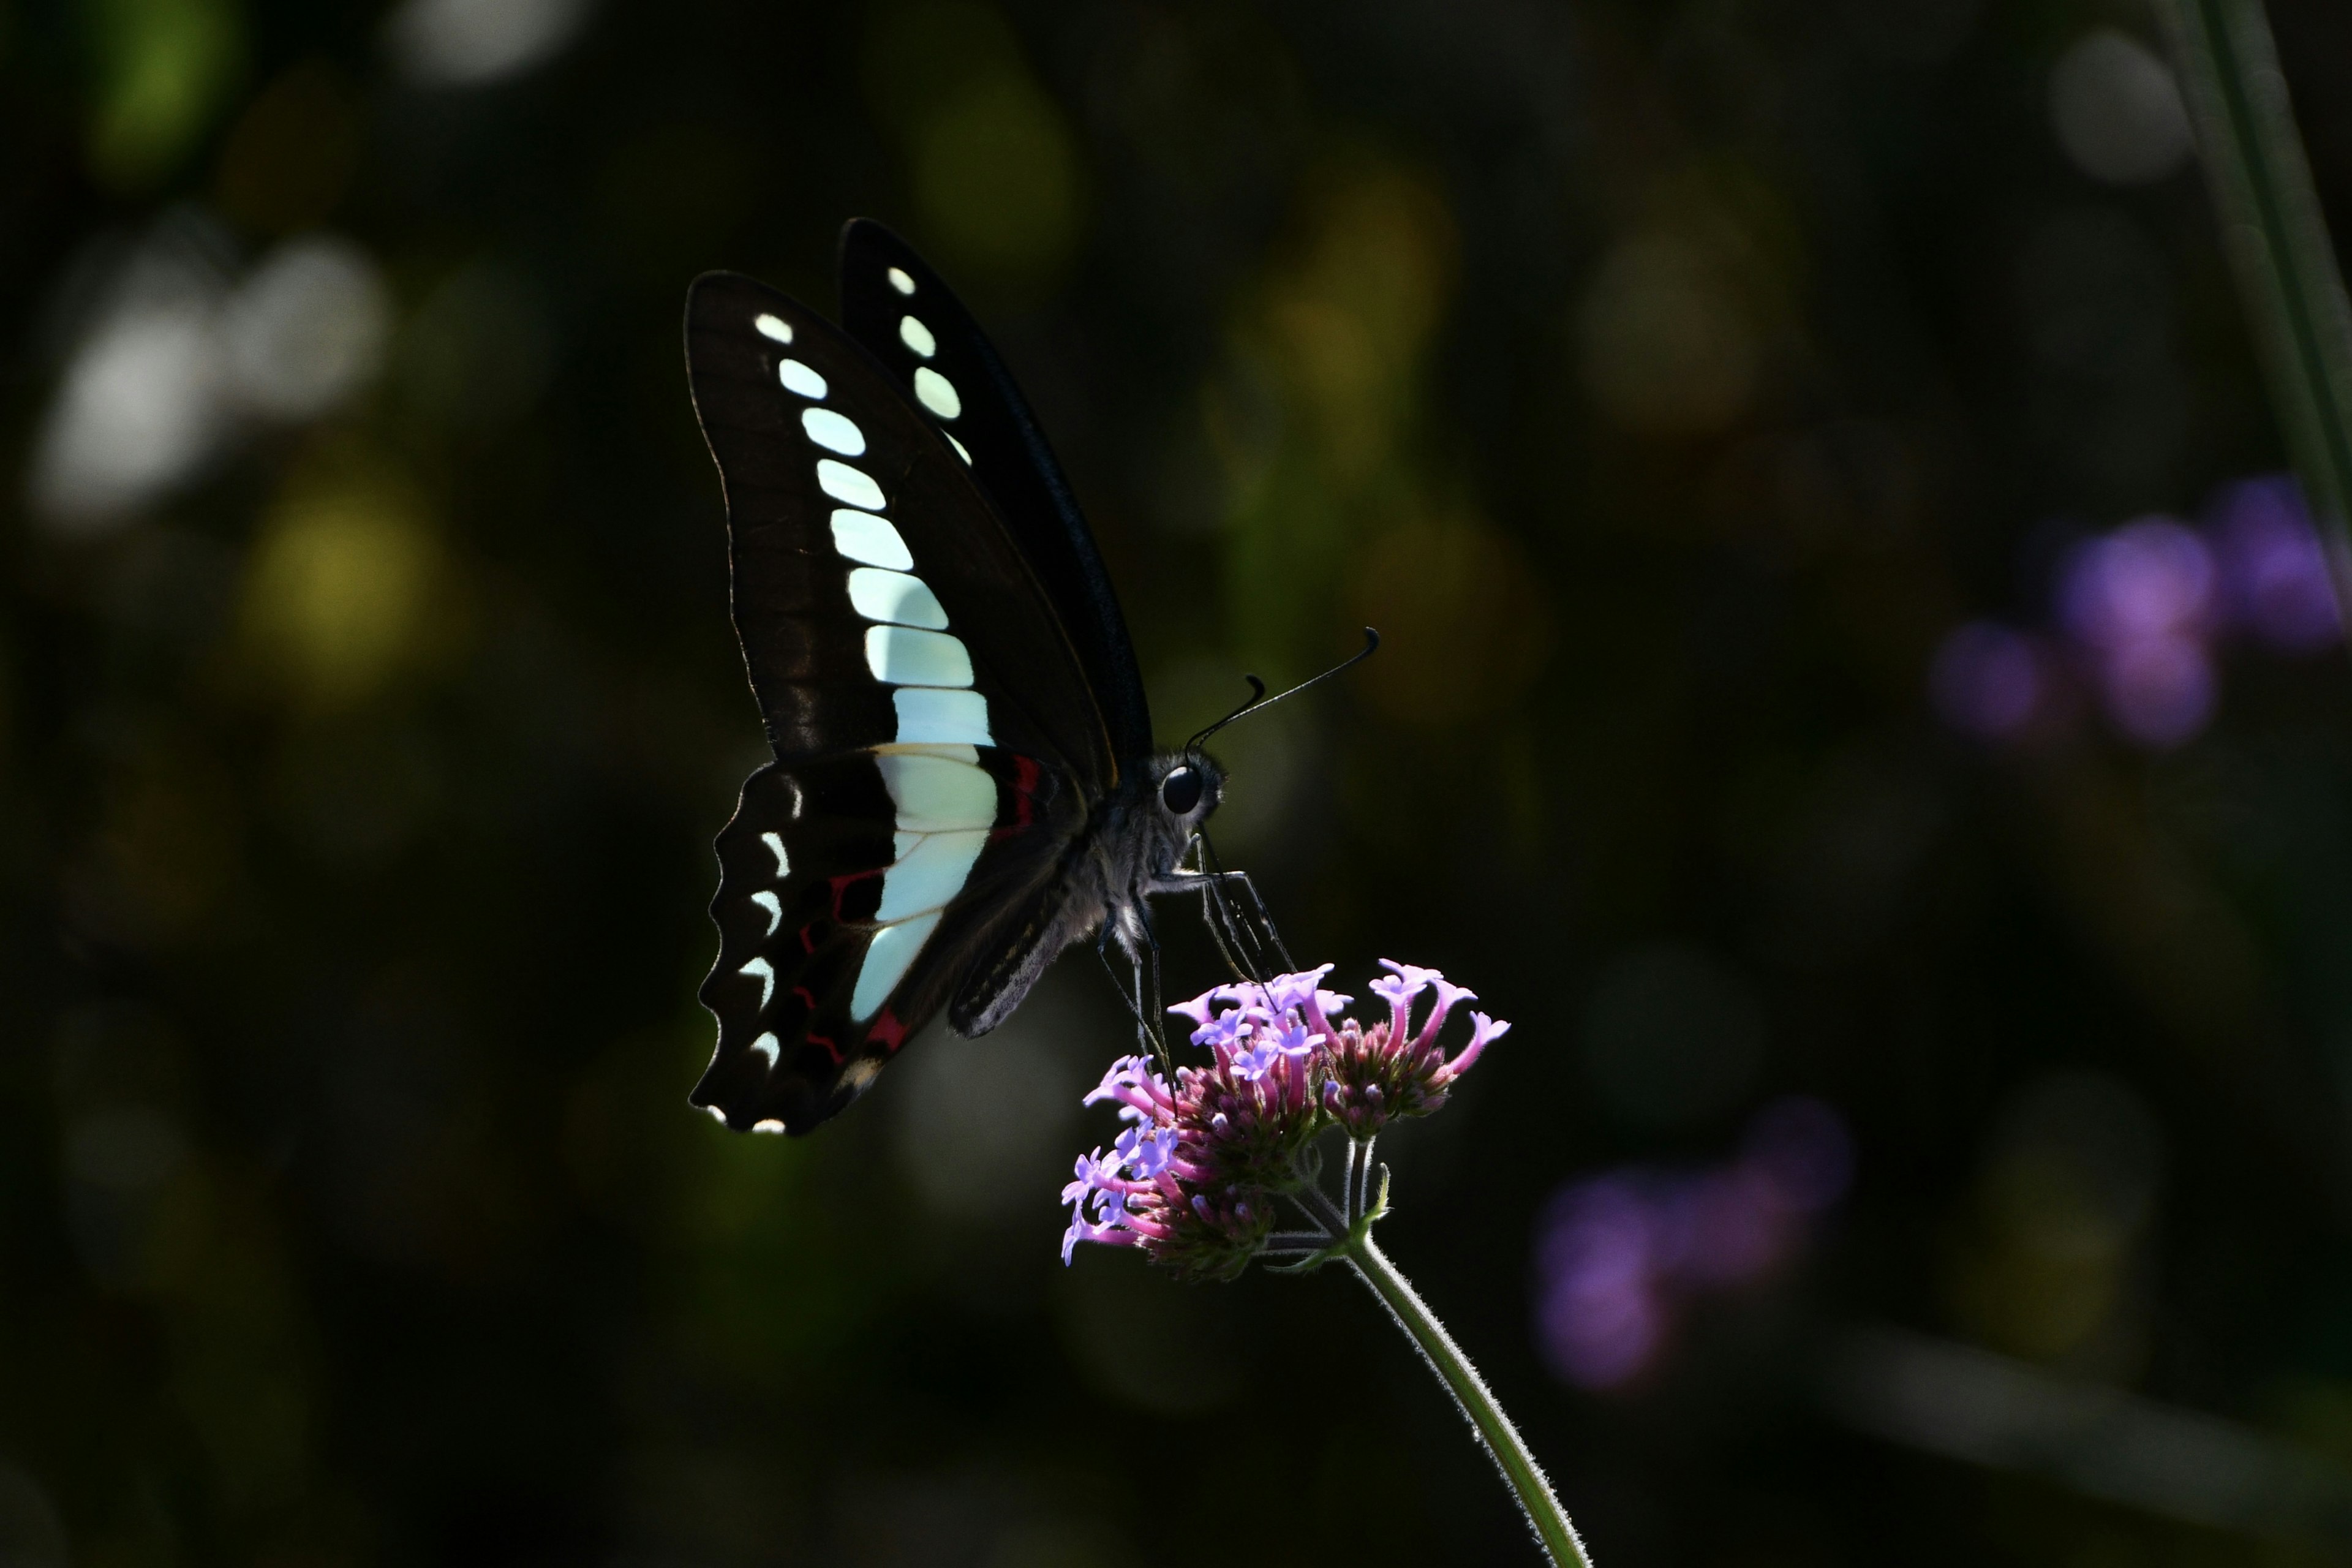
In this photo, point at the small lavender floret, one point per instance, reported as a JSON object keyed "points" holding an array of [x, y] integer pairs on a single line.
{"points": [[1374, 1076], [1193, 1178]]}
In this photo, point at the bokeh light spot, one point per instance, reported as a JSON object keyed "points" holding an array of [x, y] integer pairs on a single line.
{"points": [[1464, 620], [1988, 680], [341, 594], [2116, 109], [2275, 567], [1618, 1257], [997, 177], [473, 43], [164, 67], [1670, 347]]}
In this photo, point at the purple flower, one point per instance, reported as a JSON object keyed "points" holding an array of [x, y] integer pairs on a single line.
{"points": [[1389, 1070], [1195, 1177]]}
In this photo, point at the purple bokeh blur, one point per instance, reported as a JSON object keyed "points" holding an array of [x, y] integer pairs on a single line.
{"points": [[2275, 567], [2140, 602], [1618, 1255], [1988, 681], [2143, 610]]}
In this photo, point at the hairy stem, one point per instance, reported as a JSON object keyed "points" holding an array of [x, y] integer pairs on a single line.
{"points": [[1472, 1396]]}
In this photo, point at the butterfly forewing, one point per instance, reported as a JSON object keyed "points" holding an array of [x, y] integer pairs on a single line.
{"points": [[900, 312], [852, 528], [937, 742]]}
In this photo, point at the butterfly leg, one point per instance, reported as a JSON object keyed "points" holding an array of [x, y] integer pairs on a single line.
{"points": [[1245, 934], [1132, 990], [1147, 979], [1263, 916]]}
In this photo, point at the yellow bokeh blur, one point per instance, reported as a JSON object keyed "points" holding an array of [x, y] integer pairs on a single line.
{"points": [[1347, 324], [1670, 346], [348, 589], [1465, 622]]}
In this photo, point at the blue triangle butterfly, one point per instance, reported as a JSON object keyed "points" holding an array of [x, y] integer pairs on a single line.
{"points": [[965, 782]]}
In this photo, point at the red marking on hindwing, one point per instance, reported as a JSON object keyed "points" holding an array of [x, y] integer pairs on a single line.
{"points": [[815, 1038], [1025, 773], [888, 1030], [841, 885]]}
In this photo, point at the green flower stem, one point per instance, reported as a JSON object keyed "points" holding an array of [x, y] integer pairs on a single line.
{"points": [[1470, 1392], [2277, 242]]}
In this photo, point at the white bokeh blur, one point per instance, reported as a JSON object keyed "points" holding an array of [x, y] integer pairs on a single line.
{"points": [[178, 355], [307, 328], [2116, 109], [473, 43]]}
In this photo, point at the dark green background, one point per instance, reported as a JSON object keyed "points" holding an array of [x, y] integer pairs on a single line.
{"points": [[1665, 380]]}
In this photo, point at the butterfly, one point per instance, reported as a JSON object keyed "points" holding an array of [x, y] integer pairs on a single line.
{"points": [[965, 782]]}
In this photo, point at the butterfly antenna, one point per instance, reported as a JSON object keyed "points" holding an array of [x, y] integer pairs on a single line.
{"points": [[1258, 699]]}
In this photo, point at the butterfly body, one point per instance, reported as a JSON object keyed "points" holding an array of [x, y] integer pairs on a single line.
{"points": [[964, 782]]}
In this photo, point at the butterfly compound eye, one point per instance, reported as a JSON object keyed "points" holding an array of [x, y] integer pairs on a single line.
{"points": [[1179, 792]]}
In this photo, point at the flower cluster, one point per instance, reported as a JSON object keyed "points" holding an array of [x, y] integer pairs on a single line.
{"points": [[1195, 1176]]}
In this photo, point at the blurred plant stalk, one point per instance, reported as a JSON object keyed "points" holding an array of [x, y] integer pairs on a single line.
{"points": [[2277, 242]]}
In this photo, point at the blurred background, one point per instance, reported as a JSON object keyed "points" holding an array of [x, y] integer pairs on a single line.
{"points": [[1859, 693]]}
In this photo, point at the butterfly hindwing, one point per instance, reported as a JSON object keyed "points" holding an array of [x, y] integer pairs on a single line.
{"points": [[912, 323], [855, 892]]}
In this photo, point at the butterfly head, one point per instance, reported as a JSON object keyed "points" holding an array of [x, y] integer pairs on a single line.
{"points": [[1190, 785]]}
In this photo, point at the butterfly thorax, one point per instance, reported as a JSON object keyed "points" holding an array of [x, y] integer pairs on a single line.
{"points": [[1131, 848]]}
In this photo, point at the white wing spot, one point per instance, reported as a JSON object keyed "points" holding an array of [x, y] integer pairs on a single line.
{"points": [[900, 280], [862, 536], [770, 1125], [716, 1114], [773, 905], [767, 973], [766, 1045], [928, 716], [901, 656], [775, 842], [938, 794], [895, 596], [933, 390], [834, 431], [774, 327], [960, 451], [930, 874], [887, 959], [798, 377], [852, 486], [918, 337]]}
